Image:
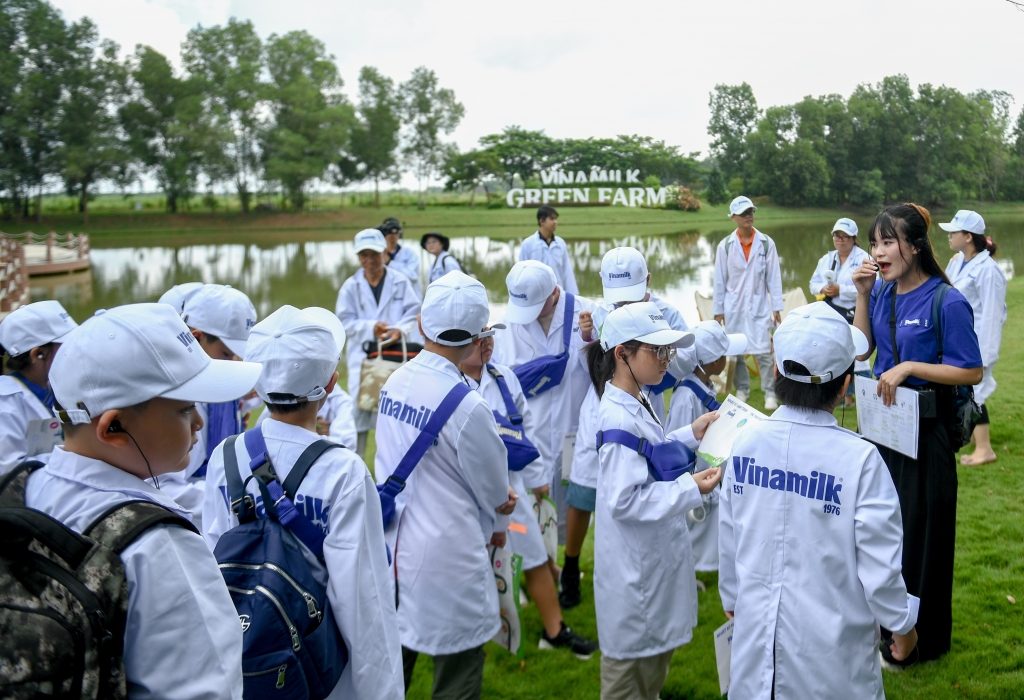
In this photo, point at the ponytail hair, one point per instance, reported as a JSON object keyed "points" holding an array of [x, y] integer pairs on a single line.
{"points": [[982, 242], [601, 363], [910, 222]]}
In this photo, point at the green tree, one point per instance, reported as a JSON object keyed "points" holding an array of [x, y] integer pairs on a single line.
{"points": [[311, 117], [734, 114], [375, 135], [787, 168], [168, 125], [470, 170], [520, 152], [428, 111], [228, 63], [717, 192]]}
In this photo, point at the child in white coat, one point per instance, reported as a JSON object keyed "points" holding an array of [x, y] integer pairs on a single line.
{"points": [[644, 584]]}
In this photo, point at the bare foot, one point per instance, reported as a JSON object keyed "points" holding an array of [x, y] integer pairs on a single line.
{"points": [[973, 460]]}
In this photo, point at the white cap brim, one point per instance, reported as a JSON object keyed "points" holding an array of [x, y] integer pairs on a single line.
{"points": [[737, 344], [632, 293], [860, 341], [951, 227], [236, 346], [674, 339], [219, 381], [375, 247], [523, 314]]}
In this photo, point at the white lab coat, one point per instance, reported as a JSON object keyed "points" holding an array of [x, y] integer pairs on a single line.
{"points": [[359, 312], [529, 543], [683, 410], [445, 516], [645, 591], [844, 275], [747, 292], [444, 264], [185, 488], [182, 638], [557, 408], [810, 580], [346, 507], [555, 255], [585, 463], [338, 410], [407, 261], [984, 285], [18, 406]]}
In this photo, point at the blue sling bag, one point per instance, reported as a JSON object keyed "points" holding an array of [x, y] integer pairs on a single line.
{"points": [[706, 398], [545, 373], [667, 461], [291, 645], [519, 448], [664, 385], [395, 483]]}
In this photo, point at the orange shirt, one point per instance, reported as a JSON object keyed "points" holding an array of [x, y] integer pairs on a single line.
{"points": [[746, 247]]}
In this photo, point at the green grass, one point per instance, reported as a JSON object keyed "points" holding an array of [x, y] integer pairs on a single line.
{"points": [[987, 659]]}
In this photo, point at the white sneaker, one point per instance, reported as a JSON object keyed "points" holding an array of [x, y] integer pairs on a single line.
{"points": [[770, 403], [743, 396]]}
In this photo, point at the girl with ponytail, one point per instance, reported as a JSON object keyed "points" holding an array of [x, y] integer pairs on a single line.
{"points": [[977, 276], [896, 314]]}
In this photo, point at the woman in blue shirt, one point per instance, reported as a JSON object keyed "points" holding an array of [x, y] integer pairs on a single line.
{"points": [[927, 486]]}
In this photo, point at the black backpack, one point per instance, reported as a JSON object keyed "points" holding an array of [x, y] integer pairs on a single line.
{"points": [[64, 596]]}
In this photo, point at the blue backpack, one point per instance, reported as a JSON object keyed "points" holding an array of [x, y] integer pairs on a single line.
{"points": [[291, 645], [510, 428], [546, 372], [666, 461]]}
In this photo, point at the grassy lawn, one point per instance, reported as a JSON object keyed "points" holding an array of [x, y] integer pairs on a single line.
{"points": [[987, 660]]}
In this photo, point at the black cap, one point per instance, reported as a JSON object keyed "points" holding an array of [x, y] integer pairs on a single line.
{"points": [[434, 234], [390, 225]]}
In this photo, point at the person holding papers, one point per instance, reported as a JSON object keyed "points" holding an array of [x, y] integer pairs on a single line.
{"points": [[810, 533], [923, 330]]}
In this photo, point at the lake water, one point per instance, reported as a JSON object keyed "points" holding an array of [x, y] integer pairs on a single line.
{"points": [[308, 270]]}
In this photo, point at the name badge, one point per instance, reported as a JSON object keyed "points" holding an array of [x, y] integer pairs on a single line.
{"points": [[568, 448], [42, 436]]}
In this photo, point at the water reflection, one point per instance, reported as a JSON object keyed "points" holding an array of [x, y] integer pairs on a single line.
{"points": [[311, 272]]}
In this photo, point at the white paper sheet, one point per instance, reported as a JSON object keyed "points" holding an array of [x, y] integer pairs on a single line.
{"points": [[42, 435], [893, 426], [568, 448], [723, 654], [733, 418]]}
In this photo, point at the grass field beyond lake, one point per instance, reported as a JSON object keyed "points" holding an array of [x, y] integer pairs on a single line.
{"points": [[987, 660]]}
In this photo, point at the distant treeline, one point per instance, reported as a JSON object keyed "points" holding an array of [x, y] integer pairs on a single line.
{"points": [[269, 116]]}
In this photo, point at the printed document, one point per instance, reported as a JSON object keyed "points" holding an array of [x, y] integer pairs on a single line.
{"points": [[723, 654], [733, 418], [893, 426]]}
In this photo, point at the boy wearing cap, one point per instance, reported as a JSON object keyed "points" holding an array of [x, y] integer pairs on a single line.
{"points": [[126, 421], [300, 351], [544, 246], [693, 396], [219, 318], [748, 295], [455, 502], [625, 280], [811, 535], [177, 295], [536, 316], [405, 260], [375, 304], [30, 336], [444, 262]]}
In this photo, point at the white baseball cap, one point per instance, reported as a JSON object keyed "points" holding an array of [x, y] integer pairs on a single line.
{"points": [[847, 226], [820, 339], [33, 325], [221, 311], [370, 239], [137, 352], [177, 295], [298, 353], [740, 205], [712, 342], [624, 275], [642, 321], [455, 310], [965, 220], [330, 321], [529, 284]]}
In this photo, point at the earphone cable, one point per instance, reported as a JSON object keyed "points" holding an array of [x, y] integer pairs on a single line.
{"points": [[156, 481]]}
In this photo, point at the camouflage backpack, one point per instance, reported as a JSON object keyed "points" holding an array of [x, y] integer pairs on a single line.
{"points": [[64, 596]]}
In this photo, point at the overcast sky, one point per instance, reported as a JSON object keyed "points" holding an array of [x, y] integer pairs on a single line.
{"points": [[578, 69]]}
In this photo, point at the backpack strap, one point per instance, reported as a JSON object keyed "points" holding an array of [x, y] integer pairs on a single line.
{"points": [[891, 286], [764, 244], [703, 395], [395, 483], [937, 300], [242, 504], [513, 414], [12, 484], [122, 524], [36, 525], [303, 464], [642, 446], [570, 308]]}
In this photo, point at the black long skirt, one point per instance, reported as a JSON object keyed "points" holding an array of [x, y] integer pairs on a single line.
{"points": [[927, 489]]}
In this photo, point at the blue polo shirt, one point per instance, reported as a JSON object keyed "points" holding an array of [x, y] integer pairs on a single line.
{"points": [[915, 336]]}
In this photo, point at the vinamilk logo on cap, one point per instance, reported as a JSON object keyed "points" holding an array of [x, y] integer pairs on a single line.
{"points": [[370, 239], [624, 275], [847, 226], [965, 220], [740, 205], [529, 283], [642, 321]]}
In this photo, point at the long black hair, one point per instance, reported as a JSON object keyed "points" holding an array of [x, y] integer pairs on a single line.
{"points": [[982, 242], [910, 222], [601, 363]]}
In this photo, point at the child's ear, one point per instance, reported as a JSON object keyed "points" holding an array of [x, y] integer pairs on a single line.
{"points": [[419, 322], [108, 428], [331, 384]]}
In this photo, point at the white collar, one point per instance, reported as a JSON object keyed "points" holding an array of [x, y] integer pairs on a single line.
{"points": [[435, 362], [807, 416]]}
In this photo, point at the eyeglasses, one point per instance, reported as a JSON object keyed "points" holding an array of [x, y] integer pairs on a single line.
{"points": [[840, 236], [662, 352]]}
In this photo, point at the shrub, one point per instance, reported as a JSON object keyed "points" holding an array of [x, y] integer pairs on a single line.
{"points": [[681, 198]]}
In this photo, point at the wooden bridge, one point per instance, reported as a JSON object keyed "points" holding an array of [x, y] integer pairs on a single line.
{"points": [[30, 254]]}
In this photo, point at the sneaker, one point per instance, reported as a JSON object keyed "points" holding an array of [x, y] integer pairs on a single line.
{"points": [[567, 639], [770, 403], [569, 589], [889, 663], [742, 396]]}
